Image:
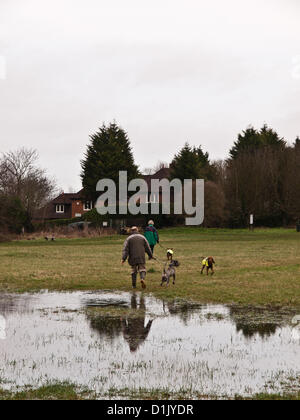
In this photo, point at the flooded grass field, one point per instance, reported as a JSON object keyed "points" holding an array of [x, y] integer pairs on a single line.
{"points": [[127, 345]]}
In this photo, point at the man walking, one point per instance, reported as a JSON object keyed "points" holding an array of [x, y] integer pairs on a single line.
{"points": [[151, 235], [134, 249]]}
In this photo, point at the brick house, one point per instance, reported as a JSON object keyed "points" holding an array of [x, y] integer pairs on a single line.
{"points": [[65, 206], [72, 205]]}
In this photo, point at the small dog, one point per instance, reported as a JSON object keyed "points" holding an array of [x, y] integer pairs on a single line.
{"points": [[170, 254], [208, 263], [169, 272]]}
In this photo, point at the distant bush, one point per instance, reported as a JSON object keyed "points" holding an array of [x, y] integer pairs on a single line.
{"points": [[51, 224], [13, 216]]}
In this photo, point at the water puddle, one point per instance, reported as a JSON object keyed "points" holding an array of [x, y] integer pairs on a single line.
{"points": [[114, 341]]}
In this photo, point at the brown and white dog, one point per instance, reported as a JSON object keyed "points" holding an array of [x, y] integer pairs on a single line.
{"points": [[169, 272]]}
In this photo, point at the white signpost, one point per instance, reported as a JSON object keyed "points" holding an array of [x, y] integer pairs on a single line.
{"points": [[251, 221]]}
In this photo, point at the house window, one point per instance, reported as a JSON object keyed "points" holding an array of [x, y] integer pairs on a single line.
{"points": [[60, 208], [87, 206]]}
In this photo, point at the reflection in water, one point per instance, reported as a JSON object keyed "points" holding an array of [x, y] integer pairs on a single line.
{"points": [[131, 324], [14, 303], [105, 341], [2, 328], [106, 326], [255, 321], [134, 329], [181, 308], [250, 330]]}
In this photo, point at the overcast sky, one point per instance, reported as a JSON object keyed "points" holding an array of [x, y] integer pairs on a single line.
{"points": [[168, 71]]}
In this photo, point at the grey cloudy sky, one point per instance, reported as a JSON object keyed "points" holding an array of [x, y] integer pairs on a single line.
{"points": [[168, 71]]}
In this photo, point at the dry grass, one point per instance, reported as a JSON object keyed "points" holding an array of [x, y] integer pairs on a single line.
{"points": [[260, 268], [64, 232]]}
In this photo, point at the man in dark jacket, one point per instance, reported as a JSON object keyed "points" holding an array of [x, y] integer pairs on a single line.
{"points": [[134, 249]]}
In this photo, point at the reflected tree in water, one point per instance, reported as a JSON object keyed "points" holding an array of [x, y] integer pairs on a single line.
{"points": [[184, 310], [14, 304], [263, 330], [106, 326], [254, 321]]}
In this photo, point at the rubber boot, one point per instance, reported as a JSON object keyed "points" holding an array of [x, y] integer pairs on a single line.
{"points": [[133, 276], [143, 276]]}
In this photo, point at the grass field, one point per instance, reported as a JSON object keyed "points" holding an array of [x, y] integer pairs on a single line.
{"points": [[253, 268]]}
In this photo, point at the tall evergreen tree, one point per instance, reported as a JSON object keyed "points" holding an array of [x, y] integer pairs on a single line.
{"points": [[190, 163], [269, 137], [108, 153], [297, 143], [251, 140]]}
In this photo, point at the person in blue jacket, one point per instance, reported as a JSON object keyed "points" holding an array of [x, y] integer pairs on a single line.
{"points": [[151, 235]]}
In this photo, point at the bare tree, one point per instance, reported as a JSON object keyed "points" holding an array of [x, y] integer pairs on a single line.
{"points": [[160, 165], [215, 213], [151, 171], [17, 166], [148, 171], [21, 178]]}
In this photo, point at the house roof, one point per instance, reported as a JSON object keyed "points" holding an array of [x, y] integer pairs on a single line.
{"points": [[161, 174], [67, 198], [62, 199]]}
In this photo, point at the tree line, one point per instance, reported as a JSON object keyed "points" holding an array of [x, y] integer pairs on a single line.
{"points": [[261, 176]]}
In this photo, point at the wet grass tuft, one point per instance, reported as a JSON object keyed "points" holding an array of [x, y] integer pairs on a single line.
{"points": [[271, 397], [56, 391]]}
